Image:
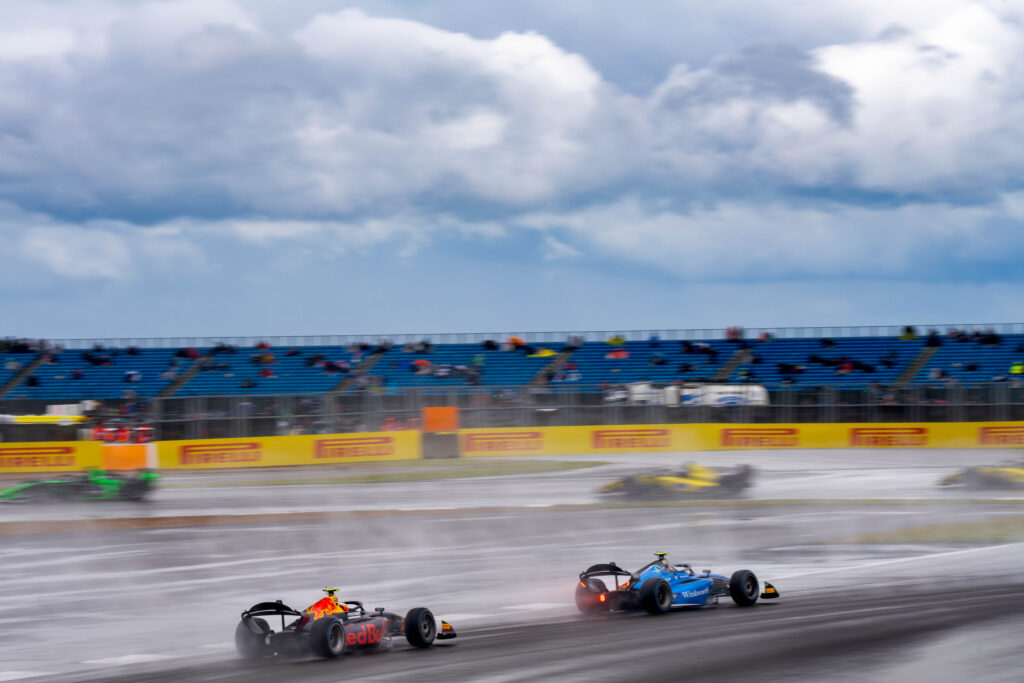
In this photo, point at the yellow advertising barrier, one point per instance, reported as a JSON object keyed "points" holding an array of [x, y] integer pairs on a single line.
{"points": [[277, 451], [712, 437], [50, 456]]}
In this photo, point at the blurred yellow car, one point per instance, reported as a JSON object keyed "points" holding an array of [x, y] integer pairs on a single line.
{"points": [[692, 481]]}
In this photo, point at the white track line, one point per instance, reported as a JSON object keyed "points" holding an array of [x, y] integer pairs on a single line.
{"points": [[129, 659], [21, 675], [880, 563]]}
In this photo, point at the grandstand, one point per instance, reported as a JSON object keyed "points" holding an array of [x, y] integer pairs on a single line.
{"points": [[845, 358]]}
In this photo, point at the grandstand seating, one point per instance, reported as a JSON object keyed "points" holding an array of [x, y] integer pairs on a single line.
{"points": [[992, 360], [595, 368], [499, 367], [868, 350], [291, 375], [228, 373], [55, 379]]}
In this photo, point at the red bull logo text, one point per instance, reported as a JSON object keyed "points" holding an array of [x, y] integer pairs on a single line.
{"points": [[356, 447], [214, 454], [1001, 436], [631, 438], [37, 456], [888, 437], [503, 441], [364, 634], [774, 437]]}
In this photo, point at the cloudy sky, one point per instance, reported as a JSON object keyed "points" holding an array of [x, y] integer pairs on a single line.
{"points": [[220, 167]]}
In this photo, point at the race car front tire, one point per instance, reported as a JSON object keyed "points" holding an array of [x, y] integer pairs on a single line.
{"points": [[327, 638], [656, 596], [420, 628], [249, 643], [744, 588]]}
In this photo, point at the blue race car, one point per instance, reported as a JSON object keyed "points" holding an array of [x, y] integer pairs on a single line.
{"points": [[659, 586]]}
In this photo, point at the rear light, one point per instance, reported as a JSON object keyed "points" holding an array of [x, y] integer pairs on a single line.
{"points": [[603, 597], [583, 584]]}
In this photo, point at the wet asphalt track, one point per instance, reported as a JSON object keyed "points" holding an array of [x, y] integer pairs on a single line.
{"points": [[161, 604]]}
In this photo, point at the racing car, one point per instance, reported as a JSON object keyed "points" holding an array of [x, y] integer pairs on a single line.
{"points": [[91, 485], [329, 628], [659, 587], [692, 481], [1007, 476]]}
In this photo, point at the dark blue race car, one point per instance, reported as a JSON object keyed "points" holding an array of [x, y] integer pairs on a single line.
{"points": [[660, 586]]}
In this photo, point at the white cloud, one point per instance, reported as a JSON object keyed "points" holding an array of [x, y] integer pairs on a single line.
{"points": [[742, 241], [555, 249]]}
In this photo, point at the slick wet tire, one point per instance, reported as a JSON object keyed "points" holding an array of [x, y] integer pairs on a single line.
{"points": [[589, 602], [249, 643], [744, 588], [656, 596], [420, 627], [327, 638]]}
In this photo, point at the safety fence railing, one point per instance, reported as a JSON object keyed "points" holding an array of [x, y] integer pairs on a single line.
{"points": [[678, 334], [490, 407]]}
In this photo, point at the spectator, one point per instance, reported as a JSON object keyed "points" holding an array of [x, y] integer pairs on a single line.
{"points": [[1017, 368], [909, 333], [263, 346], [267, 372], [615, 340], [132, 376], [934, 340], [828, 343], [77, 374], [654, 341], [32, 381], [766, 337], [734, 334], [248, 384], [657, 359], [990, 338], [617, 354], [490, 345]]}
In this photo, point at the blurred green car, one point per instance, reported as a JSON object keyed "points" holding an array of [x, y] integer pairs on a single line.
{"points": [[90, 485]]}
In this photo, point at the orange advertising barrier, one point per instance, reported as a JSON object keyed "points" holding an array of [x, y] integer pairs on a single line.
{"points": [[712, 437], [51, 456], [133, 456], [440, 419], [277, 451]]}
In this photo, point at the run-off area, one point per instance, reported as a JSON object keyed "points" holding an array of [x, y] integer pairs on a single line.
{"points": [[162, 604]]}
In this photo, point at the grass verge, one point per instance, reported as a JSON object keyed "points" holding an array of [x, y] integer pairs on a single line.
{"points": [[447, 470]]}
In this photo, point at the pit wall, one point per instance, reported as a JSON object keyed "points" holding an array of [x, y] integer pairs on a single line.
{"points": [[407, 445]]}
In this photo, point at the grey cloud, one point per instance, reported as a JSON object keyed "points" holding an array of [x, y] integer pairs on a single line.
{"points": [[764, 72]]}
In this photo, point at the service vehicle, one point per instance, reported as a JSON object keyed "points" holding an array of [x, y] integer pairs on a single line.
{"points": [[660, 587], [329, 628], [692, 481], [86, 486]]}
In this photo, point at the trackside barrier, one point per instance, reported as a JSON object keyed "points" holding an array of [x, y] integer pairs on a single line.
{"points": [[50, 456], [323, 449], [276, 451], [715, 437]]}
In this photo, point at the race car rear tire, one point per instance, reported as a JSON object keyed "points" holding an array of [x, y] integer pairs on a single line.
{"points": [[327, 638], [251, 645], [656, 596], [589, 602], [744, 588], [420, 628]]}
